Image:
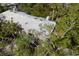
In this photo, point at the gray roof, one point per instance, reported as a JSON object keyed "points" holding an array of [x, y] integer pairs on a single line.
{"points": [[2, 16]]}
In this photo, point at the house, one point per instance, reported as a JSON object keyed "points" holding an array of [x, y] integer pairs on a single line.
{"points": [[30, 23]]}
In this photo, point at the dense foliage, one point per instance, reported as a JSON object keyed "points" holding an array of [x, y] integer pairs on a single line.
{"points": [[64, 40]]}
